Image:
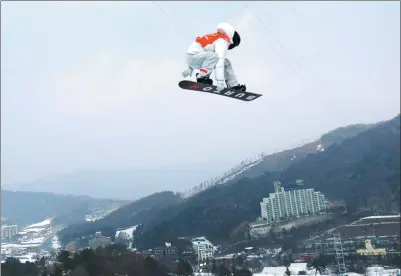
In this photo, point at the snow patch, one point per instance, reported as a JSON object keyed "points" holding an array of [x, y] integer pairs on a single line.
{"points": [[91, 219], [30, 257], [36, 230], [15, 245], [382, 217], [38, 240], [56, 243], [129, 231], [44, 223]]}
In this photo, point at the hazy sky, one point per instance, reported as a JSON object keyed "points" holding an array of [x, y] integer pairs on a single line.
{"points": [[93, 85]]}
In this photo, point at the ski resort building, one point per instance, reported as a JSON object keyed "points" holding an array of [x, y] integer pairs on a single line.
{"points": [[259, 229], [203, 248], [8, 231], [291, 200]]}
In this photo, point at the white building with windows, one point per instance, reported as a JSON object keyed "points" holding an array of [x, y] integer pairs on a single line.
{"points": [[8, 231], [295, 202], [259, 229], [203, 248]]}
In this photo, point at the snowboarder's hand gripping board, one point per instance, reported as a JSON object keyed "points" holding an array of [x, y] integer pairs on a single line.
{"points": [[228, 92], [207, 53]]}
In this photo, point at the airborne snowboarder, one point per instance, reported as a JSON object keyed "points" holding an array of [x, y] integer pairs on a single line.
{"points": [[208, 53]]}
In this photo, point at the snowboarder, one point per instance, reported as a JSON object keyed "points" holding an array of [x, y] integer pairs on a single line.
{"points": [[208, 53]]}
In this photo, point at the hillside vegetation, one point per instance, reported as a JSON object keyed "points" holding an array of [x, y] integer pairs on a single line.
{"points": [[282, 160], [278, 162], [363, 170], [29, 207], [137, 212], [112, 260], [218, 210], [130, 184]]}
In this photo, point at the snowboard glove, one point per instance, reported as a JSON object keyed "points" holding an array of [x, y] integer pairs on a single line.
{"points": [[187, 72]]}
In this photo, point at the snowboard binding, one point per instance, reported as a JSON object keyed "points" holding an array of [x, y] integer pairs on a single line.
{"points": [[204, 80]]}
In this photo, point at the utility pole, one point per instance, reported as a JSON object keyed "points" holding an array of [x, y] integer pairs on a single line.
{"points": [[339, 254]]}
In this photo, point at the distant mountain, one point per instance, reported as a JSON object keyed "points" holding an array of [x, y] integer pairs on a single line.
{"points": [[340, 134], [278, 161], [137, 212], [363, 170], [25, 208], [138, 182], [187, 213], [128, 184], [282, 160]]}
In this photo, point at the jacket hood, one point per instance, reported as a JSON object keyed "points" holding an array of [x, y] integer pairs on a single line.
{"points": [[226, 29]]}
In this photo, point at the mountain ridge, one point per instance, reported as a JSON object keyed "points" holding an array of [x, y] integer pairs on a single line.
{"points": [[371, 159], [134, 213], [23, 207], [125, 184], [278, 161], [179, 206]]}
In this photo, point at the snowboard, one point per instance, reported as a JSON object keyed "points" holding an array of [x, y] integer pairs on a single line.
{"points": [[228, 92]]}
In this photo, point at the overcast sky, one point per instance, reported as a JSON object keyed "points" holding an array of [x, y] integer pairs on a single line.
{"points": [[93, 85]]}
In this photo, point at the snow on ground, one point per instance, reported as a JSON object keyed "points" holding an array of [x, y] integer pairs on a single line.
{"points": [[273, 251], [38, 240], [296, 267], [380, 217], [30, 257], [16, 245], [37, 230], [320, 147], [243, 169], [91, 219], [56, 243], [381, 271], [26, 243], [44, 223], [129, 231]]}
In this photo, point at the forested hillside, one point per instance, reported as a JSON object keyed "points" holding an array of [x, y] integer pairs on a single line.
{"points": [[29, 207], [365, 170], [216, 211], [282, 160], [362, 170], [139, 211]]}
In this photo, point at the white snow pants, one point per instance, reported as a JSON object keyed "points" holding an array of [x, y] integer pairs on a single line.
{"points": [[208, 60]]}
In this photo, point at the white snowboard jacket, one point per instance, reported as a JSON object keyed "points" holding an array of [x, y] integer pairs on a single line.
{"points": [[215, 42]]}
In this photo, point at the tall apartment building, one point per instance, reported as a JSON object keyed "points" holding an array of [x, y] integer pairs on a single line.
{"points": [[291, 200], [8, 231], [203, 248]]}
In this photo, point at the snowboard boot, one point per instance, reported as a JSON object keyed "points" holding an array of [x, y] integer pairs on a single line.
{"points": [[204, 80], [239, 87]]}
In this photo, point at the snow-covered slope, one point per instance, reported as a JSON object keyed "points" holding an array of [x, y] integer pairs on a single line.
{"points": [[44, 223], [258, 165], [31, 240], [226, 177], [127, 234], [280, 159], [128, 231]]}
